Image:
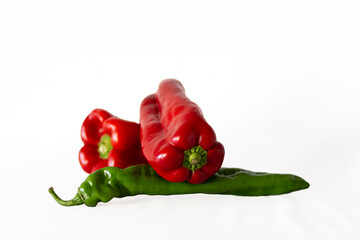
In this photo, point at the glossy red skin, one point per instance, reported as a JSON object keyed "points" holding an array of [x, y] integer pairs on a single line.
{"points": [[170, 124], [125, 139]]}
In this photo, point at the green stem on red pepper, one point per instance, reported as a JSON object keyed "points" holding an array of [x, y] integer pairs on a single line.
{"points": [[104, 146], [195, 158]]}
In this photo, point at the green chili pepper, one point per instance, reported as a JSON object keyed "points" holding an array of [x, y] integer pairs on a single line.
{"points": [[110, 182]]}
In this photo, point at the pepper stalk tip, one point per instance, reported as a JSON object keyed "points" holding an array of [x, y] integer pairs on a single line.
{"points": [[195, 158], [77, 200]]}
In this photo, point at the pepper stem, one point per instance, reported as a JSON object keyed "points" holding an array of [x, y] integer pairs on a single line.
{"points": [[77, 200], [104, 146], [195, 158]]}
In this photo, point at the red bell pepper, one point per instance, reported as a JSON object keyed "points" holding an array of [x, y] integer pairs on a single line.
{"points": [[109, 141], [176, 140]]}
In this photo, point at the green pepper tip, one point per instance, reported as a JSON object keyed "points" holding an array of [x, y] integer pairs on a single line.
{"points": [[77, 200], [306, 184]]}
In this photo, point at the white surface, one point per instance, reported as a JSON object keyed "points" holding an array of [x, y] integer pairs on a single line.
{"points": [[277, 80]]}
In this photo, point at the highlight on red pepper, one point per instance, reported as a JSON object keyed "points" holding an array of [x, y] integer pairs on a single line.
{"points": [[176, 139], [109, 141]]}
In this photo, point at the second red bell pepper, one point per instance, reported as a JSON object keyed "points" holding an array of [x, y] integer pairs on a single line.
{"points": [[109, 141], [176, 140]]}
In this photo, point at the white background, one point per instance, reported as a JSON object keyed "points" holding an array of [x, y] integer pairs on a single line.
{"points": [[277, 80]]}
